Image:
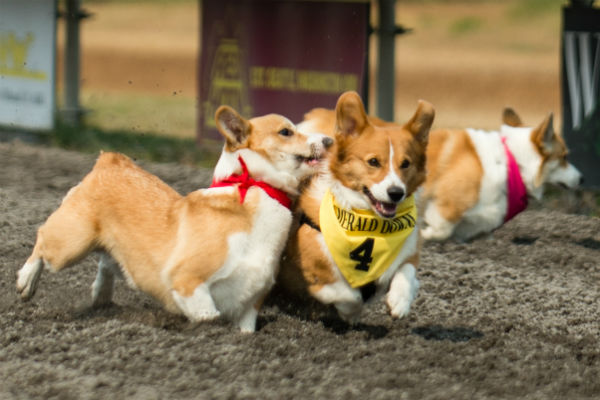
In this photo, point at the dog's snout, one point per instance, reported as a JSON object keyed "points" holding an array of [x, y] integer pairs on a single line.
{"points": [[581, 180], [327, 142], [396, 193]]}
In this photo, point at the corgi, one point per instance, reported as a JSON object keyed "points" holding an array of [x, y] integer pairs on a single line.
{"points": [[478, 180], [357, 237], [214, 252]]}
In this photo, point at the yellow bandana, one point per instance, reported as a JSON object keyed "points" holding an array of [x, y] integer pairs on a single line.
{"points": [[363, 244]]}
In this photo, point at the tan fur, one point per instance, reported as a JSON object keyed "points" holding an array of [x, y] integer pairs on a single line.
{"points": [[167, 243], [358, 138], [454, 173], [111, 204]]}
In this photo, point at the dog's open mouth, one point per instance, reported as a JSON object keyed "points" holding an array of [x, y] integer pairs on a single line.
{"points": [[311, 160], [386, 210]]}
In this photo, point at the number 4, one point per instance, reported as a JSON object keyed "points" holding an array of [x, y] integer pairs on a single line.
{"points": [[362, 254]]}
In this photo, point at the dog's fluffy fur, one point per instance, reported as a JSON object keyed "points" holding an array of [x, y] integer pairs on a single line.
{"points": [[206, 254], [465, 191], [372, 165]]}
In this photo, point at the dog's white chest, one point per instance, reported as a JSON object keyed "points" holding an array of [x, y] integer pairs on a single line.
{"points": [[252, 257]]}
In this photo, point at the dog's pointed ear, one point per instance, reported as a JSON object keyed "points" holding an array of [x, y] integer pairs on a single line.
{"points": [[232, 126], [420, 123], [350, 114], [511, 118], [544, 136]]}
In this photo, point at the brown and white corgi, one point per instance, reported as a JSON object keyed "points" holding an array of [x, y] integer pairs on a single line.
{"points": [[477, 180], [358, 237], [213, 252]]}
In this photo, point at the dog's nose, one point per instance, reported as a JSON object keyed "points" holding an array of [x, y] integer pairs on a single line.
{"points": [[581, 180], [327, 142], [396, 193]]}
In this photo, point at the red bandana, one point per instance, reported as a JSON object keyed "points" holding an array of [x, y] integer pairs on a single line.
{"points": [[244, 181], [516, 191]]}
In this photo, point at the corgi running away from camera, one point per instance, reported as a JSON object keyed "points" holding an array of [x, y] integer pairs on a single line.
{"points": [[478, 180], [358, 234], [214, 252]]}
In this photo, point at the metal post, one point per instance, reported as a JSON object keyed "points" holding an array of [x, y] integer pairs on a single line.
{"points": [[71, 108], [386, 81]]}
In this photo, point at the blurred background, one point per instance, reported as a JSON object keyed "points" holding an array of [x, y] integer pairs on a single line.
{"points": [[470, 58]]}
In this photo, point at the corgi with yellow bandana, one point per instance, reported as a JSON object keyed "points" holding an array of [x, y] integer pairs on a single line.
{"points": [[358, 236]]}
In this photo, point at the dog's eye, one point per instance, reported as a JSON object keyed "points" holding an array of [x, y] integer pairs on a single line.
{"points": [[405, 164], [286, 132], [373, 162]]}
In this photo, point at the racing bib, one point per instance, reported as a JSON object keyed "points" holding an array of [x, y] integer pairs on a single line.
{"points": [[362, 243]]}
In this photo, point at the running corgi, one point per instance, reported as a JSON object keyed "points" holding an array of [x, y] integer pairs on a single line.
{"points": [[213, 252], [477, 180], [358, 236]]}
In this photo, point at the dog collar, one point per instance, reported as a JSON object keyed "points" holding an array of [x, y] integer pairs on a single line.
{"points": [[244, 182], [363, 244], [516, 191]]}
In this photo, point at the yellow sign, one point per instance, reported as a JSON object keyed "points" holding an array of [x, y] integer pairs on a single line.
{"points": [[13, 57], [298, 80], [226, 83]]}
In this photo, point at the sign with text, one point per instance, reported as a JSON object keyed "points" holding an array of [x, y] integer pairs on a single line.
{"points": [[580, 84], [274, 56], [27, 57]]}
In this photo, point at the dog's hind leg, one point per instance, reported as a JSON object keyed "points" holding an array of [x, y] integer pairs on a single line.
{"points": [[438, 227], [103, 286], [67, 236], [29, 275]]}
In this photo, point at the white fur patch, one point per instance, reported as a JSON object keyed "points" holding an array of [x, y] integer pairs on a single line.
{"points": [[403, 291], [199, 306], [28, 277], [380, 189]]}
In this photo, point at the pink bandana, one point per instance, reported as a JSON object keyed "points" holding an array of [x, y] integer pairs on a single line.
{"points": [[516, 191], [244, 182]]}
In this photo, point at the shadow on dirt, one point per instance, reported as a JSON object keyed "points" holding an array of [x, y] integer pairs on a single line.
{"points": [[524, 240], [589, 243], [453, 334]]}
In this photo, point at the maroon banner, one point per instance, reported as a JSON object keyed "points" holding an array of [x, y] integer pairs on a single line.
{"points": [[284, 57]]}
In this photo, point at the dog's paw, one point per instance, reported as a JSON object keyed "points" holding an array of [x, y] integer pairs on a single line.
{"points": [[403, 291], [206, 315], [429, 233], [27, 279]]}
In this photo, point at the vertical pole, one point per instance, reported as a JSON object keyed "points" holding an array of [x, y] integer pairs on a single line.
{"points": [[71, 108], [385, 64]]}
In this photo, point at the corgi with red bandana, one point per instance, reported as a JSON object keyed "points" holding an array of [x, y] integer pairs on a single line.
{"points": [[358, 236], [214, 252], [478, 180]]}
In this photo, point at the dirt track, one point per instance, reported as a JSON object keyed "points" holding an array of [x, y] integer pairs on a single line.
{"points": [[511, 316]]}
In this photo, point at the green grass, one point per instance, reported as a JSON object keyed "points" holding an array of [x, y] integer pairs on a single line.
{"points": [[173, 115], [465, 25], [148, 146]]}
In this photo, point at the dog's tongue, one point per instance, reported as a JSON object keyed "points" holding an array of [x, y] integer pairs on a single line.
{"points": [[388, 210]]}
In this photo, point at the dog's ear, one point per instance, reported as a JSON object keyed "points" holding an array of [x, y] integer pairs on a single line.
{"points": [[232, 126], [420, 123], [543, 136], [350, 114], [511, 118]]}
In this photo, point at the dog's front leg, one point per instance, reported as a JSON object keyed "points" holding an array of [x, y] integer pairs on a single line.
{"points": [[403, 290], [199, 306]]}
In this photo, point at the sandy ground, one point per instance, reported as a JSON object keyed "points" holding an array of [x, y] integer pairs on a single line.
{"points": [[510, 316]]}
